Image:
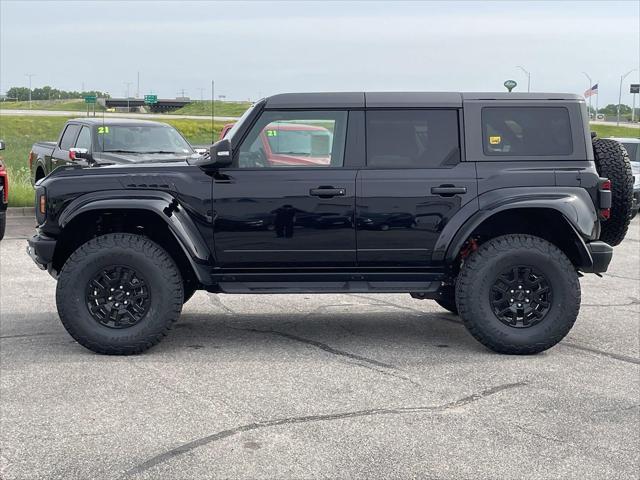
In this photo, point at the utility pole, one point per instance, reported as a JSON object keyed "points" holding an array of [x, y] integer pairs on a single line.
{"points": [[528, 74], [588, 88], [201, 94], [620, 93], [128, 84], [30, 75]]}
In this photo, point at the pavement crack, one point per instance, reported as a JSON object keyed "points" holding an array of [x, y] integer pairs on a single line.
{"points": [[539, 435], [321, 346], [615, 356], [190, 446], [27, 335], [634, 301], [621, 276]]}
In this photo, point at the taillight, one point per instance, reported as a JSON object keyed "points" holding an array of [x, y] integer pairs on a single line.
{"points": [[4, 181], [604, 195], [31, 155]]}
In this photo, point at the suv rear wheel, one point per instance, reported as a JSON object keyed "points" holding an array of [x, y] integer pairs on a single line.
{"points": [[119, 294], [518, 294]]}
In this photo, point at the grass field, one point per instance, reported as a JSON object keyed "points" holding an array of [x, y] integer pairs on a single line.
{"points": [[20, 132], [60, 105], [222, 109], [613, 131]]}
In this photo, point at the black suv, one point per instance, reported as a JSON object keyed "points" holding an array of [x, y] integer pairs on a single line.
{"points": [[491, 204]]}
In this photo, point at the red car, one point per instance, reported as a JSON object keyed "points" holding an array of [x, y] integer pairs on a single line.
{"points": [[293, 143], [4, 194]]}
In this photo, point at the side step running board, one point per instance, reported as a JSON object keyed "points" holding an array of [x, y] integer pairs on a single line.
{"points": [[330, 287], [328, 282]]}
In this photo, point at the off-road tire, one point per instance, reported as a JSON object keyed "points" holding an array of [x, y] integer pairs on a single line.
{"points": [[612, 162], [3, 224], [447, 299], [162, 277], [481, 270]]}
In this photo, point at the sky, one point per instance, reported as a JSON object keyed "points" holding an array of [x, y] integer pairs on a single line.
{"points": [[259, 48]]}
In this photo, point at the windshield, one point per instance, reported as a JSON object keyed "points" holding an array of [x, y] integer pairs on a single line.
{"points": [[633, 151], [316, 143], [142, 139], [236, 125]]}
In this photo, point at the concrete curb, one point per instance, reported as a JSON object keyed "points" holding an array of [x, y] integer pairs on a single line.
{"points": [[21, 212]]}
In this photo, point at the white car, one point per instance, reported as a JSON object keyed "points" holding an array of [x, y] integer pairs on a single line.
{"points": [[632, 146]]}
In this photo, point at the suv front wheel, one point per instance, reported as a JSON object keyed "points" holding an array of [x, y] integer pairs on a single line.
{"points": [[119, 294], [518, 294]]}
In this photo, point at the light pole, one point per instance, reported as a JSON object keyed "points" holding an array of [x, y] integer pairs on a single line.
{"points": [[128, 84], [620, 93], [528, 74], [589, 88], [30, 75]]}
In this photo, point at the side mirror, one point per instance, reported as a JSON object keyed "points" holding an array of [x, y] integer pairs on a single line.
{"points": [[2, 145], [220, 154], [76, 153]]}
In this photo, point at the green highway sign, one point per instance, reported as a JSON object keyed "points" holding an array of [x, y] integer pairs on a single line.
{"points": [[90, 99], [510, 84], [150, 99]]}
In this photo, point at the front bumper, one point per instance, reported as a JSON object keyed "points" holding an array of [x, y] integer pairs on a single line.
{"points": [[41, 249], [601, 254]]}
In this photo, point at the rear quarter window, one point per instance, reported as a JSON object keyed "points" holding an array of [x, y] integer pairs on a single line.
{"points": [[526, 131]]}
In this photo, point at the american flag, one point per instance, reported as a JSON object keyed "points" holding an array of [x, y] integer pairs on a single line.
{"points": [[592, 91]]}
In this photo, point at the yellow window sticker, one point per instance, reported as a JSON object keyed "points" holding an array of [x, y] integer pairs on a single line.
{"points": [[495, 140], [272, 133], [103, 130]]}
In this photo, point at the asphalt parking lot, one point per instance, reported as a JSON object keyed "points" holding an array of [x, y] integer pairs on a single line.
{"points": [[325, 386]]}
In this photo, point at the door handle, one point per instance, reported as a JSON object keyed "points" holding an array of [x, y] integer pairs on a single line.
{"points": [[448, 190], [327, 192]]}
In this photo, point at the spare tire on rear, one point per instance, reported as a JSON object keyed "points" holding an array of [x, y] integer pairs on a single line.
{"points": [[612, 162]]}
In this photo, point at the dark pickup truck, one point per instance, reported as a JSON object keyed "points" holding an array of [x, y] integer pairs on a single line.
{"points": [[94, 141], [491, 204]]}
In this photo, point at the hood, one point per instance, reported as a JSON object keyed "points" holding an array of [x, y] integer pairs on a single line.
{"points": [[128, 158]]}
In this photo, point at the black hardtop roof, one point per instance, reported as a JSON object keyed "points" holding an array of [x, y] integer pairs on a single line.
{"points": [[115, 121], [401, 99]]}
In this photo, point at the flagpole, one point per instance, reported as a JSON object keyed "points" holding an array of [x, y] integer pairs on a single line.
{"points": [[597, 97], [590, 85]]}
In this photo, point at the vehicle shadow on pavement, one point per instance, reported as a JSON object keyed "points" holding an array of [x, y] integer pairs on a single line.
{"points": [[429, 333], [382, 331]]}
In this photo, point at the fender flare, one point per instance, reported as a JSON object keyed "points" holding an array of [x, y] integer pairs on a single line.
{"points": [[162, 204], [573, 203]]}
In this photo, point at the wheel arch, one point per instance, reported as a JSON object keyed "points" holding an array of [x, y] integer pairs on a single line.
{"points": [[563, 216], [152, 214]]}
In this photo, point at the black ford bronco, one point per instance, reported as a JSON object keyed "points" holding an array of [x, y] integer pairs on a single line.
{"points": [[490, 204]]}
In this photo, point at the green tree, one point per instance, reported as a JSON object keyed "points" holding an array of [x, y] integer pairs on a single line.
{"points": [[612, 109], [19, 93]]}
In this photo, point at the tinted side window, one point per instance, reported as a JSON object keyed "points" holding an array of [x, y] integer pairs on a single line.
{"points": [[84, 139], [412, 138], [295, 139], [69, 136], [526, 131]]}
